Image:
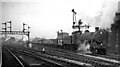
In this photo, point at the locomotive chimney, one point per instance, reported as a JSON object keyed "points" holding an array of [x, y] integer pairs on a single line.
{"points": [[96, 29]]}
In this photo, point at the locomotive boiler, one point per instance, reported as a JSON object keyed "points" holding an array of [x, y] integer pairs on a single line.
{"points": [[91, 42], [95, 41]]}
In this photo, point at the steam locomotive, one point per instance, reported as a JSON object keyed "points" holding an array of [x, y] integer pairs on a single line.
{"points": [[93, 42], [96, 41]]}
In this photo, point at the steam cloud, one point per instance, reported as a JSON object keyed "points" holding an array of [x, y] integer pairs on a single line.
{"points": [[108, 15], [104, 17]]}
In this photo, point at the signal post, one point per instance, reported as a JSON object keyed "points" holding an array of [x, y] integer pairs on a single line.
{"points": [[8, 30]]}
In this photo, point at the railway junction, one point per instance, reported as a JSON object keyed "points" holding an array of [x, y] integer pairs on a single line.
{"points": [[30, 54], [19, 56]]}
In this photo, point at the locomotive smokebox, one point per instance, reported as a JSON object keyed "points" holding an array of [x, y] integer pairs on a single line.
{"points": [[96, 29]]}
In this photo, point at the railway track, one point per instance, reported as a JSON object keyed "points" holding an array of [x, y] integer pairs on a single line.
{"points": [[79, 58], [90, 57], [54, 59], [18, 58], [98, 56], [9, 56], [109, 57], [84, 58]]}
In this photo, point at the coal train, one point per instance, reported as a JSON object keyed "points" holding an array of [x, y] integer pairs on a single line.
{"points": [[87, 42], [91, 42]]}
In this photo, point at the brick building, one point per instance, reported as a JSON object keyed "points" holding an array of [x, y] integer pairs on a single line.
{"points": [[61, 36], [114, 39], [115, 35]]}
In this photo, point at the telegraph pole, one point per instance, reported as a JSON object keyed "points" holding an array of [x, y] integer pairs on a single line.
{"points": [[27, 32], [62, 36], [77, 26], [57, 37], [23, 32], [10, 27], [5, 29], [28, 35], [74, 16], [24, 27]]}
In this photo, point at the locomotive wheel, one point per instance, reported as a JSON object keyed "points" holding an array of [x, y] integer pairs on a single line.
{"points": [[94, 51], [101, 51]]}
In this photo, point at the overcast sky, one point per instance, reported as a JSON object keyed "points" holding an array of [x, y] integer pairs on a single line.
{"points": [[46, 17]]}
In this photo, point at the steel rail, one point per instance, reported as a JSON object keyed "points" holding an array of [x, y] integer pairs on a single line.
{"points": [[85, 60], [93, 57], [102, 56], [68, 61], [16, 58], [74, 57]]}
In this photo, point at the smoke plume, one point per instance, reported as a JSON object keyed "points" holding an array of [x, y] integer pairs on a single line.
{"points": [[108, 15], [103, 17]]}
